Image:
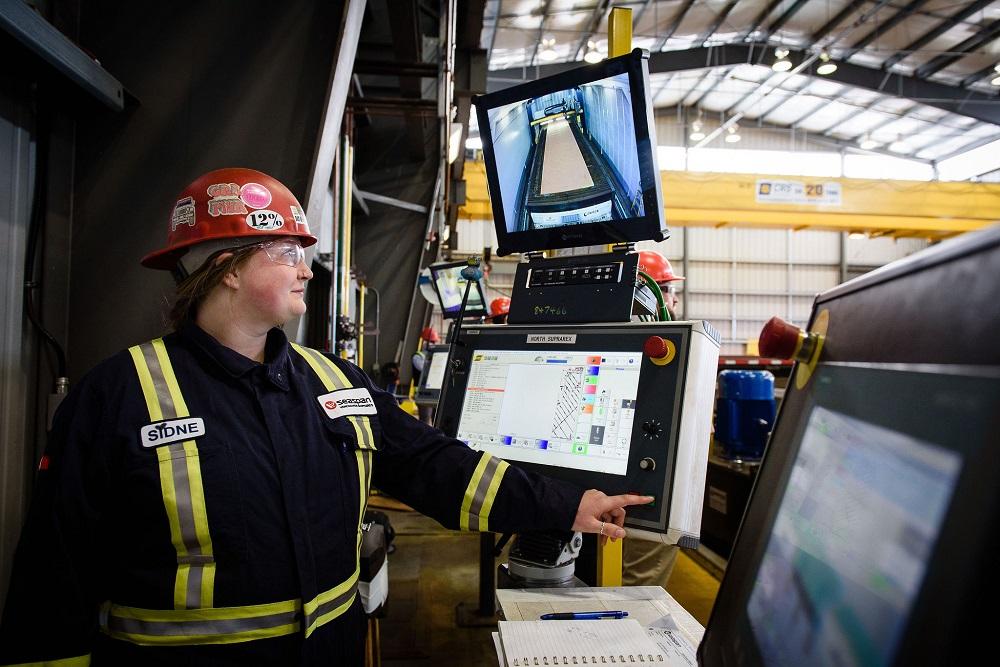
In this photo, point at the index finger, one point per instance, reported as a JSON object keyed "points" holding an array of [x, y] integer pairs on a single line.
{"points": [[627, 499]]}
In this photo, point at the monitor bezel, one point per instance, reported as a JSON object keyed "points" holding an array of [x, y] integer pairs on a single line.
{"points": [[470, 311], [651, 226], [655, 518], [430, 351], [941, 600]]}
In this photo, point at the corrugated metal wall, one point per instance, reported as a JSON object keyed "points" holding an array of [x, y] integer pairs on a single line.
{"points": [[740, 278], [17, 344]]}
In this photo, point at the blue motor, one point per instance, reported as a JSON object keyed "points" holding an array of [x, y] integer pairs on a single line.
{"points": [[744, 413]]}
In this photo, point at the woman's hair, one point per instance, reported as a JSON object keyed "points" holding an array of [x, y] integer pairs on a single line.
{"points": [[191, 291]]}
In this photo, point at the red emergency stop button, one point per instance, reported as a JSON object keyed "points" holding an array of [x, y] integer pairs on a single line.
{"points": [[778, 339], [659, 350], [782, 340]]}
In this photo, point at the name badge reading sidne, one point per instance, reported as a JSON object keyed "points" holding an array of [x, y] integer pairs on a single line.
{"points": [[173, 430]]}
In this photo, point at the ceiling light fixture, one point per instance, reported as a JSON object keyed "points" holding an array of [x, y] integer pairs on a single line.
{"points": [[867, 143], [696, 132], [857, 235], [899, 146], [548, 52], [996, 80], [593, 55], [474, 143], [732, 135], [782, 64], [826, 66]]}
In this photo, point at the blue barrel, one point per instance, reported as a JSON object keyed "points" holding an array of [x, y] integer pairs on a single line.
{"points": [[744, 413]]}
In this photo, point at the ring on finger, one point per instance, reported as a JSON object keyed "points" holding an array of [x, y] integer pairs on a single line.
{"points": [[602, 527]]}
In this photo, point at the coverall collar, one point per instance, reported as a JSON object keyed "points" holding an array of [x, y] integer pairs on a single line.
{"points": [[276, 366]]}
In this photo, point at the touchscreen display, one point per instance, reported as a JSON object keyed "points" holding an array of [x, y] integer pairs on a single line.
{"points": [[566, 409], [848, 552]]}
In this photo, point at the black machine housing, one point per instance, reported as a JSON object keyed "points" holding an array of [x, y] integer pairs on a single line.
{"points": [[904, 352]]}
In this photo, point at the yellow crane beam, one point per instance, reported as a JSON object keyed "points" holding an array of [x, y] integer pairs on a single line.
{"points": [[880, 208]]}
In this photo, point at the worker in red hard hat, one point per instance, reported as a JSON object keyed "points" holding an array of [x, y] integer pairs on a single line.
{"points": [[658, 267], [499, 309], [201, 495]]}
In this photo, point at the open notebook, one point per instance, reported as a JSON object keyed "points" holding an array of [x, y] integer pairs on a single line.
{"points": [[603, 642]]}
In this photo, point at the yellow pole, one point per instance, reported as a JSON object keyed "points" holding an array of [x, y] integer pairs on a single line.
{"points": [[609, 563], [619, 31], [361, 326], [609, 556]]}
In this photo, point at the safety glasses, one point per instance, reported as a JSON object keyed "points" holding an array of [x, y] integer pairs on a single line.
{"points": [[283, 251]]}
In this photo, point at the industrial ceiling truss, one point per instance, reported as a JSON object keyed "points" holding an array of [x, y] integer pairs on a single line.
{"points": [[919, 76]]}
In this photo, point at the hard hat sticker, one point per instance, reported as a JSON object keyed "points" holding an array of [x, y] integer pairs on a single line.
{"points": [[255, 195], [300, 218], [265, 220], [225, 200], [345, 402], [173, 430], [183, 213]]}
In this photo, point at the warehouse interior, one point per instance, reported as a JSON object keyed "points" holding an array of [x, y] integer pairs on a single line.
{"points": [[811, 157]]}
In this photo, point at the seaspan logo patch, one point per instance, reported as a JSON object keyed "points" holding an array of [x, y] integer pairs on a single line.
{"points": [[173, 430], [344, 402]]}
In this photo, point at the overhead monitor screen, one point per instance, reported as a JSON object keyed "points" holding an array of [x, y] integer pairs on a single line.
{"points": [[568, 157], [450, 286], [435, 371], [571, 158], [567, 409], [847, 555]]}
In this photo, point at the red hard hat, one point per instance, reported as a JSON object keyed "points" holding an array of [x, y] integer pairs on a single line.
{"points": [[430, 335], [657, 266], [230, 203], [499, 306]]}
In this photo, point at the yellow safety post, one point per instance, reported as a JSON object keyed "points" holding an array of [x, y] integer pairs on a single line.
{"points": [[609, 556], [609, 563], [619, 31]]}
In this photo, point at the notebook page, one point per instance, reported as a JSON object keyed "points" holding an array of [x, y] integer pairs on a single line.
{"points": [[601, 642]]}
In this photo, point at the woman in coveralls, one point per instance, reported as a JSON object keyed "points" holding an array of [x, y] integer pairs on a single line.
{"points": [[200, 499]]}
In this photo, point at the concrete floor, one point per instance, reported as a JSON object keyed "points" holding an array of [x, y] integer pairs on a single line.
{"points": [[433, 570]]}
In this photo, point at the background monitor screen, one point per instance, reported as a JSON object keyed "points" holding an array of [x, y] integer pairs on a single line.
{"points": [[436, 368], [450, 287], [568, 409], [571, 158]]}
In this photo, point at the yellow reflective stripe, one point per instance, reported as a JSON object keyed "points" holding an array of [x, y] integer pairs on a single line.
{"points": [[481, 493], [470, 491], [180, 480], [330, 604], [362, 425], [491, 494], [146, 382], [200, 515], [225, 625], [333, 378], [79, 661], [180, 407], [320, 371]]}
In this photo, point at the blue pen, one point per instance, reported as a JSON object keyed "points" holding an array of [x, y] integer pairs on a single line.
{"points": [[583, 615]]}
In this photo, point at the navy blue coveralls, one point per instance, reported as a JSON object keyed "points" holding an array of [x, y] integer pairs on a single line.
{"points": [[196, 507]]}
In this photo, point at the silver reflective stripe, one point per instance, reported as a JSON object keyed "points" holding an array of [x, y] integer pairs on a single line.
{"points": [[159, 382], [477, 522], [330, 605], [200, 628], [325, 364]]}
